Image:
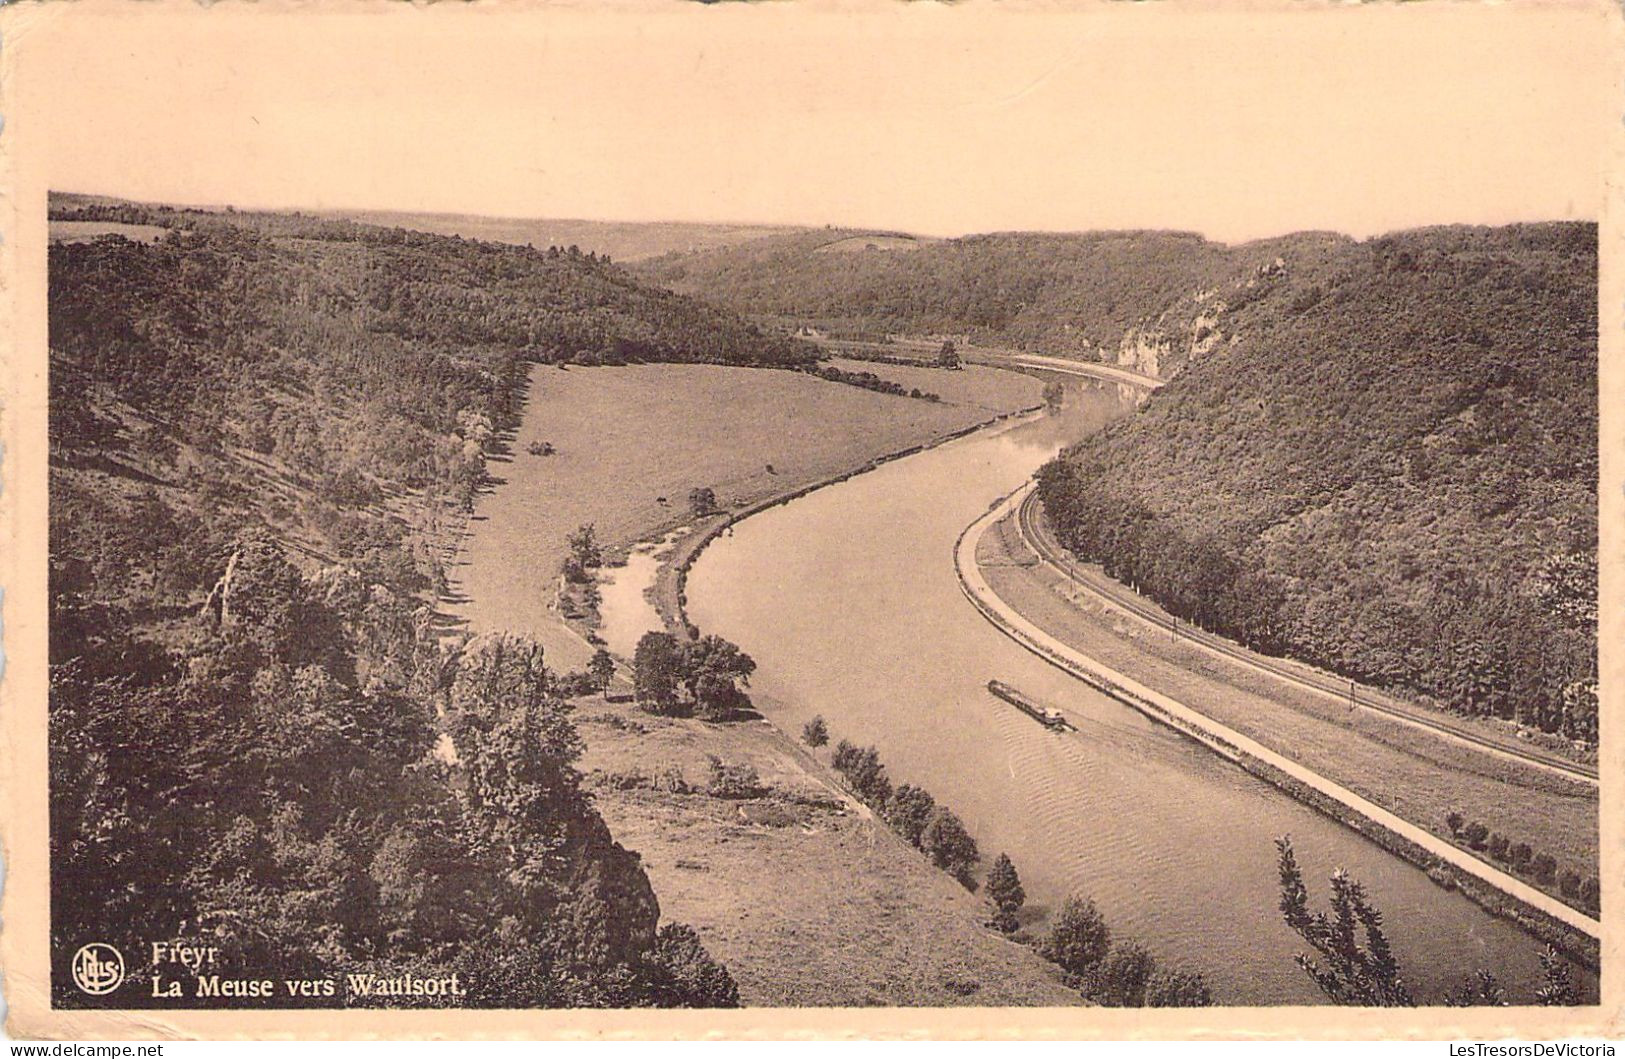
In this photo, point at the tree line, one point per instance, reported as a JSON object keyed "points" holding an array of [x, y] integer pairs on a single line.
{"points": [[1390, 473]]}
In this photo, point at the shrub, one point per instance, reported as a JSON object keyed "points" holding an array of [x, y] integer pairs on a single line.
{"points": [[688, 976], [1545, 867], [815, 732], [1569, 884], [672, 781], [574, 684], [1079, 938], [1521, 854], [1591, 894], [1498, 846], [1476, 834], [540, 448], [1122, 977], [1177, 989], [1454, 821], [732, 781]]}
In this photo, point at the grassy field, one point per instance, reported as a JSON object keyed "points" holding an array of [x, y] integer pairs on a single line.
{"points": [[626, 437], [997, 391], [1414, 774], [806, 898]]}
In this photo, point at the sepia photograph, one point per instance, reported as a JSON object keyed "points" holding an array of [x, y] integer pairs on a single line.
{"points": [[523, 517]]}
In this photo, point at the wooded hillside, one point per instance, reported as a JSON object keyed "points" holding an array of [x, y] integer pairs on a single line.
{"points": [[1064, 294], [1389, 470], [260, 426]]}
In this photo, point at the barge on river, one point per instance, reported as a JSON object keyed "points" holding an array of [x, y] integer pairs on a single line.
{"points": [[1049, 718]]}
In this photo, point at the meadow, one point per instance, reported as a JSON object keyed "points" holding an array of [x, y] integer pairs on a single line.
{"points": [[626, 437]]}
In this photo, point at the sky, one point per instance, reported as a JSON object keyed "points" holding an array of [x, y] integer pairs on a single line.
{"points": [[1238, 121]]}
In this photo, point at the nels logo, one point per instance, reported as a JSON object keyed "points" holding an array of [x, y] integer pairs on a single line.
{"points": [[98, 969]]}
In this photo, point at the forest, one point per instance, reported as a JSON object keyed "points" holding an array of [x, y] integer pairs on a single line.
{"points": [[1389, 470], [264, 430], [1062, 294]]}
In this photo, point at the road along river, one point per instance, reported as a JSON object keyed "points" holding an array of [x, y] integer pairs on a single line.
{"points": [[848, 601]]}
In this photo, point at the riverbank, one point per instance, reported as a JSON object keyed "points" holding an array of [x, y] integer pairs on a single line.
{"points": [[805, 896], [630, 443], [1497, 892]]}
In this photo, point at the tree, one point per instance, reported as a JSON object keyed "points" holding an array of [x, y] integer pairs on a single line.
{"points": [[1454, 821], [1477, 835], [602, 669], [908, 810], [1079, 938], [1054, 395], [1177, 989], [1123, 976], [1004, 892], [584, 547], [688, 976], [713, 669], [1545, 868], [1347, 971], [657, 668], [702, 501], [863, 770], [815, 733], [948, 355]]}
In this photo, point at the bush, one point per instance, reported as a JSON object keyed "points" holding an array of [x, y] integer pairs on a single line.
{"points": [[1521, 854], [1079, 938], [1476, 834], [1498, 846], [575, 683], [540, 448], [732, 781], [1545, 868], [1454, 820], [815, 732], [1177, 989], [687, 976], [1122, 977], [672, 781], [1591, 894], [1569, 884]]}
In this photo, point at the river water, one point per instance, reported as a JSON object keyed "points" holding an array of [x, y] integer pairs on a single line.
{"points": [[848, 602]]}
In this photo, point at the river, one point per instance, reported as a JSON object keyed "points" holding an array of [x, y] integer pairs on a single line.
{"points": [[847, 600]]}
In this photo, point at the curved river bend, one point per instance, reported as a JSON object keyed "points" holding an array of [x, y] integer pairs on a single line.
{"points": [[847, 600]]}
